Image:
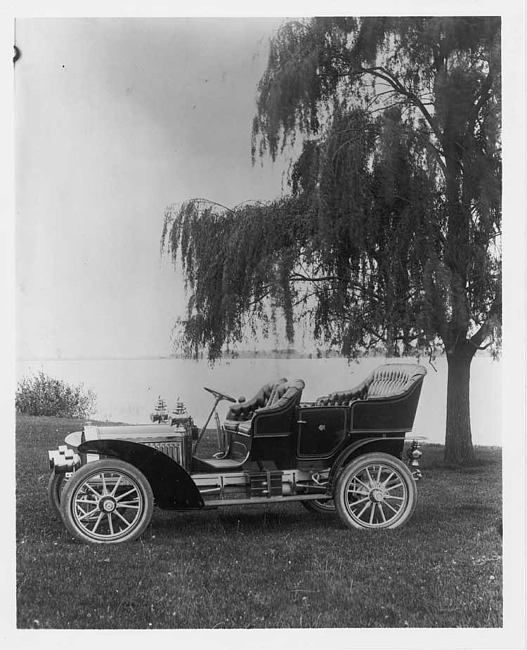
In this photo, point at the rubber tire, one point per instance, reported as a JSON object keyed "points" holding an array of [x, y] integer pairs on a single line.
{"points": [[359, 464], [55, 488], [320, 507], [80, 476]]}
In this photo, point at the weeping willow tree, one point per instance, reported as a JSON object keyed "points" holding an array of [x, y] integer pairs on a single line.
{"points": [[390, 234]]}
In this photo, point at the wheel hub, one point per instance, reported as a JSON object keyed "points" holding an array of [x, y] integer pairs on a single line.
{"points": [[377, 495], [107, 504]]}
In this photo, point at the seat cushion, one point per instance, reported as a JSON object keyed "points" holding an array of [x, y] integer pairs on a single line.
{"points": [[244, 427], [344, 397], [231, 425]]}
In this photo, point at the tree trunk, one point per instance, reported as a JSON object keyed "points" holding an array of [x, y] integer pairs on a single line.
{"points": [[458, 445]]}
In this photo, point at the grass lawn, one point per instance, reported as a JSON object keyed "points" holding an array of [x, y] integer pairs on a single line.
{"points": [[275, 566]]}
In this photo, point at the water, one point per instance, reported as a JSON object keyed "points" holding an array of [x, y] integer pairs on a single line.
{"points": [[127, 390]]}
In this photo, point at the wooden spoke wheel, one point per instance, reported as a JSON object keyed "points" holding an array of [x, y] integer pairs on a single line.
{"points": [[326, 507], [375, 491], [56, 485], [107, 502]]}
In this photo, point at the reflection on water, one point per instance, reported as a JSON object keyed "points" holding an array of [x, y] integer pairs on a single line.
{"points": [[127, 390]]}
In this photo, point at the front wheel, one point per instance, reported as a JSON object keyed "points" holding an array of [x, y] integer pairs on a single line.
{"points": [[375, 491], [107, 502], [56, 485]]}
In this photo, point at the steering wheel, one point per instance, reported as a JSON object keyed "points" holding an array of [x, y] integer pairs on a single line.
{"points": [[219, 395]]}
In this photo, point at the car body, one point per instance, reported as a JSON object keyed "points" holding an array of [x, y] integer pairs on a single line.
{"points": [[341, 453]]}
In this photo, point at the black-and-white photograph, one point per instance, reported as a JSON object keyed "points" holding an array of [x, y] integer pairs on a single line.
{"points": [[258, 317]]}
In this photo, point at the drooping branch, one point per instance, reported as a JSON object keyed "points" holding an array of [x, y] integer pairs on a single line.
{"points": [[390, 78], [492, 319]]}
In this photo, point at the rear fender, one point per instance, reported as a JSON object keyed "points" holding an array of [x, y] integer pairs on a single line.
{"points": [[357, 448], [171, 484]]}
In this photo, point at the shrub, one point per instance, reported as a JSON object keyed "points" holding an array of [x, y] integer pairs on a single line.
{"points": [[44, 395]]}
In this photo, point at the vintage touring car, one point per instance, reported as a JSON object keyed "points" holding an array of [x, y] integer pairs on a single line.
{"points": [[343, 453]]}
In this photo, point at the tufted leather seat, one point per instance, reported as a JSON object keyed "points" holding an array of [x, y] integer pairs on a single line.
{"points": [[388, 380], [244, 411], [291, 396], [286, 394]]}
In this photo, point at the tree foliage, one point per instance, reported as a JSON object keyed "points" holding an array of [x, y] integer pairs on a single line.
{"points": [[237, 267], [436, 81], [391, 232]]}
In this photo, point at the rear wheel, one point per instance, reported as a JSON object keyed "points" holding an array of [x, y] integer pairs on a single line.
{"points": [[107, 502], [326, 507], [375, 491]]}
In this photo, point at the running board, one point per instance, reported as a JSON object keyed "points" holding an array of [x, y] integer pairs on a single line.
{"points": [[215, 503]]}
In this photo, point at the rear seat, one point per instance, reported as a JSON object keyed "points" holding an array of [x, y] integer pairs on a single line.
{"points": [[388, 380]]}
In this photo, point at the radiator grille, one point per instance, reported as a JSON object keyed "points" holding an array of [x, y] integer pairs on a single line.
{"points": [[172, 449]]}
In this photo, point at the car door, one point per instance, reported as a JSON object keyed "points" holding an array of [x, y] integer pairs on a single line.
{"points": [[321, 430]]}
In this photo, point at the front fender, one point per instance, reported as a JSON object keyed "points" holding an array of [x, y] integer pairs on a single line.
{"points": [[171, 484]]}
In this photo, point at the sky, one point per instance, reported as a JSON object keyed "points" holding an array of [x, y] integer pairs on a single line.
{"points": [[116, 119]]}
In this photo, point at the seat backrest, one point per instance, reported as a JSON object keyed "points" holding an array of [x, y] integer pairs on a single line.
{"points": [[279, 389], [393, 379], [291, 395], [265, 396]]}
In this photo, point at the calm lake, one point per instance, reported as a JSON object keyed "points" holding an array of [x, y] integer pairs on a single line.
{"points": [[127, 390]]}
